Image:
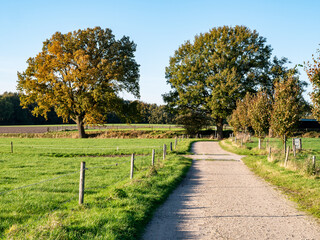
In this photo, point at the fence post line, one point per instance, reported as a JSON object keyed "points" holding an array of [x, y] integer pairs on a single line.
{"points": [[11, 147], [170, 146], [81, 183], [164, 151], [132, 166], [153, 155]]}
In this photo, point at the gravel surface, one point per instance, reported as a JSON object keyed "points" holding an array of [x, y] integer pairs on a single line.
{"points": [[223, 199]]}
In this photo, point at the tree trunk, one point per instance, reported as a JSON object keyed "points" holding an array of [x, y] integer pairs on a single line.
{"points": [[259, 144], [80, 127], [219, 123]]}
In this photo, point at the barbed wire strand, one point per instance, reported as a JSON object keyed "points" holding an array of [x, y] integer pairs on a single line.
{"points": [[119, 180], [114, 164], [37, 183], [98, 147]]}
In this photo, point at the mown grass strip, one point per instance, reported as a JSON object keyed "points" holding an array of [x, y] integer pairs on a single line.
{"points": [[301, 188]]}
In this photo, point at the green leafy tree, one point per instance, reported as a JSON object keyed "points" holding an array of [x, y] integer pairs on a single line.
{"points": [[219, 67], [259, 111], [243, 114], [234, 121], [313, 72], [6, 108], [193, 121], [79, 74], [288, 106]]}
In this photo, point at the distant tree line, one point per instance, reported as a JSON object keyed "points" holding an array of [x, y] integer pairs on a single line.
{"points": [[11, 113]]}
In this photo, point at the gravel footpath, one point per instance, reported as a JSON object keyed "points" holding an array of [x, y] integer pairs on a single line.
{"points": [[222, 199]]}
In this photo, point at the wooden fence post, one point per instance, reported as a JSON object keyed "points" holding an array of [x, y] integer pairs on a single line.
{"points": [[170, 146], [175, 143], [314, 163], [132, 166], [153, 155], [164, 151], [11, 147], [259, 143], [81, 183], [269, 152], [287, 156]]}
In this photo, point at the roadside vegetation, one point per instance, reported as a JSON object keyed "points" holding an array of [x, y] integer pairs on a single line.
{"points": [[298, 178], [40, 179]]}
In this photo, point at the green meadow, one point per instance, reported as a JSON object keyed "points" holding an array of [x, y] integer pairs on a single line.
{"points": [[39, 184]]}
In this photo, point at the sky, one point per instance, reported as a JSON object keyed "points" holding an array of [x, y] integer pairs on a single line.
{"points": [[291, 27]]}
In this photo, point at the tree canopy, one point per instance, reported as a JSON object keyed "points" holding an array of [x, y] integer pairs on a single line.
{"points": [[219, 67], [259, 112], [288, 106], [80, 74], [313, 72]]}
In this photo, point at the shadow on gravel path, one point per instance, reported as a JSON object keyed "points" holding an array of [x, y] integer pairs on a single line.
{"points": [[225, 200]]}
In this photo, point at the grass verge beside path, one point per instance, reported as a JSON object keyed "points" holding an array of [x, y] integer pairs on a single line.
{"points": [[303, 189], [119, 211]]}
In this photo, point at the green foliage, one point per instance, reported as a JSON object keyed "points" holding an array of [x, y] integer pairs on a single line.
{"points": [[234, 120], [218, 68], [287, 107], [259, 112], [313, 71], [243, 112], [193, 121], [79, 74], [154, 114]]}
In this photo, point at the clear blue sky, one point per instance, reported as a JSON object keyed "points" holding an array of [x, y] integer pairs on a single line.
{"points": [[158, 28]]}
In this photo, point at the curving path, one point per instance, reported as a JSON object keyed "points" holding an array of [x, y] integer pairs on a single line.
{"points": [[222, 199]]}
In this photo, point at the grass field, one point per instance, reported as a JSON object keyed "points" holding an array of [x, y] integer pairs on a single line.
{"points": [[301, 186], [39, 184]]}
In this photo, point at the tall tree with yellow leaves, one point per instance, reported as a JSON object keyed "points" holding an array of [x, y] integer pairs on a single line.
{"points": [[80, 74]]}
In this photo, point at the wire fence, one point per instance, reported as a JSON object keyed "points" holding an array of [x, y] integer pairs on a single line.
{"points": [[49, 195], [99, 149], [290, 155]]}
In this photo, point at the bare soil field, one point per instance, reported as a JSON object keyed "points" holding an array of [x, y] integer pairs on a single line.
{"points": [[19, 129]]}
